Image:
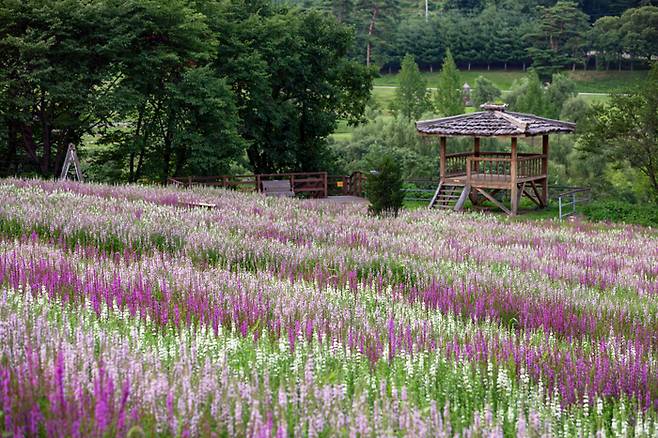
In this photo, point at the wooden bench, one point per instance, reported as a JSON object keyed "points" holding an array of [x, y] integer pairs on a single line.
{"points": [[197, 205], [278, 187]]}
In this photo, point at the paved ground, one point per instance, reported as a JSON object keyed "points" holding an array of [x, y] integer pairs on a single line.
{"points": [[345, 200]]}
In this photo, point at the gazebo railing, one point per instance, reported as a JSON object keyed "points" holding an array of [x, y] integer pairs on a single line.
{"points": [[487, 168], [530, 166], [498, 166], [456, 163], [493, 163]]}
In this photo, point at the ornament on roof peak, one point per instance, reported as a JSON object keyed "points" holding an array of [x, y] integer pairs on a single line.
{"points": [[493, 106]]}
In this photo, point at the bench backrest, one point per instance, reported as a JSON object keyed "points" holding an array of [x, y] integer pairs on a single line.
{"points": [[277, 187]]}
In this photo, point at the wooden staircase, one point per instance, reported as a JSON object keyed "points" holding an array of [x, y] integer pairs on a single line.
{"points": [[450, 197]]}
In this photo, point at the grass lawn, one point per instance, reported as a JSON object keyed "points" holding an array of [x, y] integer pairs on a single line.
{"points": [[586, 81], [527, 210]]}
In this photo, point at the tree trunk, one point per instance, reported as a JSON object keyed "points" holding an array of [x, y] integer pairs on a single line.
{"points": [[371, 30], [140, 118], [45, 160], [10, 157], [168, 147], [28, 143]]}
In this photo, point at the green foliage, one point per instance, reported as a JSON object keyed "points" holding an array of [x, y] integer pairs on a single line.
{"points": [[448, 95], [169, 87], [293, 82], [532, 101], [558, 92], [411, 97], [56, 72], [620, 211], [398, 137], [384, 187], [484, 91], [574, 110], [178, 116], [626, 131], [605, 37], [421, 38], [529, 96], [560, 39], [639, 30]]}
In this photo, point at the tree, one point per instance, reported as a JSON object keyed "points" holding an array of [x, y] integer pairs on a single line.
{"points": [[178, 115], [605, 37], [292, 80], [384, 187], [484, 91], [532, 101], [626, 130], [560, 38], [574, 110], [421, 39], [411, 97], [379, 17], [639, 30], [448, 96], [56, 71], [559, 91]]}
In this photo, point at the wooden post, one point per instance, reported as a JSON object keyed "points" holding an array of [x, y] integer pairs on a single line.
{"points": [[544, 169], [326, 188], [258, 183], [514, 189], [476, 151], [442, 158]]}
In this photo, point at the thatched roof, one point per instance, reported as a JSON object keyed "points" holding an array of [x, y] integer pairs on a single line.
{"points": [[493, 121]]}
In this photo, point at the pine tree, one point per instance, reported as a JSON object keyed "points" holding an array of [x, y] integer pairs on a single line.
{"points": [[411, 97], [448, 95]]}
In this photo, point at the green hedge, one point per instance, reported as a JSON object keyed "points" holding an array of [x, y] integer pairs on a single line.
{"points": [[619, 211]]}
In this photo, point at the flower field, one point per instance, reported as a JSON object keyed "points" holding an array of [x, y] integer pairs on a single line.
{"points": [[122, 313]]}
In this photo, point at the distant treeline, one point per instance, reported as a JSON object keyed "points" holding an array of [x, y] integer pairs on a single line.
{"points": [[546, 34]]}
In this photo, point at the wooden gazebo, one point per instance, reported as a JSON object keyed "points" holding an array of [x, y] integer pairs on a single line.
{"points": [[479, 174]]}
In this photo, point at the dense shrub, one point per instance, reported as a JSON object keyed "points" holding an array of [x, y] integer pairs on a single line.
{"points": [[384, 187], [619, 211]]}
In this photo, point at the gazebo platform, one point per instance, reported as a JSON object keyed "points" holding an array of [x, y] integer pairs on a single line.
{"points": [[480, 174]]}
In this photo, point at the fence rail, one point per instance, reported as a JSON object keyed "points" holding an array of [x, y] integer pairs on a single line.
{"points": [[313, 183], [571, 198]]}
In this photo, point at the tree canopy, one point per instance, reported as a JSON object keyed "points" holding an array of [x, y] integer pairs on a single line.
{"points": [[173, 87], [625, 130], [449, 100], [411, 97]]}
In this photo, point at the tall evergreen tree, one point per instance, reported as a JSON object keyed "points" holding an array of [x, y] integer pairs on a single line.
{"points": [[448, 99], [411, 97], [560, 39], [377, 20]]}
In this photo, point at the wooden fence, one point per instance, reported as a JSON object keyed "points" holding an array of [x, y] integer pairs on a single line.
{"points": [[312, 183]]}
